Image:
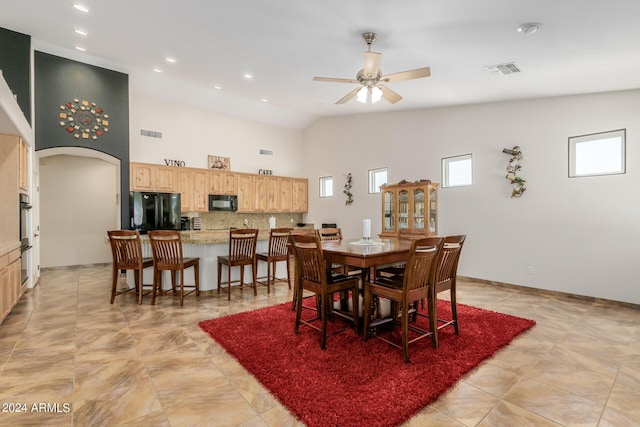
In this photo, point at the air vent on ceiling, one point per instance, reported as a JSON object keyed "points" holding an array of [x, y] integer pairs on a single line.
{"points": [[151, 133], [503, 69], [266, 152]]}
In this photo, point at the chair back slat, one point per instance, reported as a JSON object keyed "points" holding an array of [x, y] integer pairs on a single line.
{"points": [[166, 246], [242, 244], [309, 256], [420, 271], [279, 241], [448, 264], [330, 234], [126, 248]]}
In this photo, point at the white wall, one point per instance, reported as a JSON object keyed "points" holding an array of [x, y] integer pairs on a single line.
{"points": [[190, 134], [580, 235], [77, 206]]}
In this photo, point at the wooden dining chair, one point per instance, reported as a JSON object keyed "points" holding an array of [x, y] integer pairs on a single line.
{"points": [[278, 251], [312, 275], [242, 253], [330, 234], [166, 247], [126, 251], [416, 284], [446, 276]]}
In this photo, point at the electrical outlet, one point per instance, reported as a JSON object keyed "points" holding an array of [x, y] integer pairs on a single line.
{"points": [[530, 270]]}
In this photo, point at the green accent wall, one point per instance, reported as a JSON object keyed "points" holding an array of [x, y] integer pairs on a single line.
{"points": [[15, 54], [59, 81]]}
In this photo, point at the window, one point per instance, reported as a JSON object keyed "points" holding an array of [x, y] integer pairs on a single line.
{"points": [[597, 154], [457, 171], [377, 177], [326, 186]]}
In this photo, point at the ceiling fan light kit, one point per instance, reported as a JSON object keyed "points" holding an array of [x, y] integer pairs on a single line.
{"points": [[371, 78]]}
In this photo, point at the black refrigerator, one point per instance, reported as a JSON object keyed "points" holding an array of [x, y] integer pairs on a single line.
{"points": [[154, 211]]}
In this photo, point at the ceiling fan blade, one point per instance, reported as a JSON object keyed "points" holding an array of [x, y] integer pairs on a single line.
{"points": [[334, 80], [371, 63], [418, 73], [389, 95], [348, 97]]}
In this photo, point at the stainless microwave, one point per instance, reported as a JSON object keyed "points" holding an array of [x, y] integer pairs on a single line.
{"points": [[222, 202]]}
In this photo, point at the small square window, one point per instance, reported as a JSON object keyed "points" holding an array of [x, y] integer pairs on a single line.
{"points": [[597, 154], [326, 186], [457, 171], [377, 177]]}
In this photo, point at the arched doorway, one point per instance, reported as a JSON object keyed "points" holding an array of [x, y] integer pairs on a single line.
{"points": [[78, 200]]}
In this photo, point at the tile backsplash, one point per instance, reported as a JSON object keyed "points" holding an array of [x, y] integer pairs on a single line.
{"points": [[225, 220]]}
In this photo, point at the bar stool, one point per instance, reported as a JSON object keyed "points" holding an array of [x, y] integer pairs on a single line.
{"points": [[242, 252], [166, 247], [278, 251], [126, 251]]}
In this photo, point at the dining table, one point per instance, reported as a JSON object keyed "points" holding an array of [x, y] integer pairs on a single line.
{"points": [[366, 254]]}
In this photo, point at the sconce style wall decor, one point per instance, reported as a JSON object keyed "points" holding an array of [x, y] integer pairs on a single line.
{"points": [[513, 168]]}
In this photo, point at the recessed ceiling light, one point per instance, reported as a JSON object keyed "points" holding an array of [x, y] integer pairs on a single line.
{"points": [[217, 87], [529, 28], [265, 100], [171, 60], [247, 76], [81, 8], [81, 32], [80, 48], [157, 70]]}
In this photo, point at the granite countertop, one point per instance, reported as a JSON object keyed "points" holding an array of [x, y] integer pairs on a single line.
{"points": [[213, 236]]}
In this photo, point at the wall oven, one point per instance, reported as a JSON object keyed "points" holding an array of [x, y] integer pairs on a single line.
{"points": [[25, 241]]}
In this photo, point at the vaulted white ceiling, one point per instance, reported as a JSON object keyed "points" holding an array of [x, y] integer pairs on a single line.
{"points": [[582, 46]]}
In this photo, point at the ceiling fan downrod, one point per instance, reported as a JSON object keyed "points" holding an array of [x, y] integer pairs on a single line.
{"points": [[369, 38]]}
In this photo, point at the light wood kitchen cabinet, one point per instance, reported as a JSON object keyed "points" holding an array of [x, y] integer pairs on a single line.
{"points": [[148, 177], [273, 193], [410, 207], [223, 182], [285, 196], [256, 193], [193, 185], [245, 193], [200, 190], [10, 286], [300, 195], [23, 179]]}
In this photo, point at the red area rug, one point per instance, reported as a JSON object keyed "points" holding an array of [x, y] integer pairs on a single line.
{"points": [[352, 382]]}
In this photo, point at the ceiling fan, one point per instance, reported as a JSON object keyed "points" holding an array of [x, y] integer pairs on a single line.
{"points": [[371, 79]]}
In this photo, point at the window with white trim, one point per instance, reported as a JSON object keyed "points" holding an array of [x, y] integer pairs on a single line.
{"points": [[326, 186], [457, 171], [377, 177], [597, 154]]}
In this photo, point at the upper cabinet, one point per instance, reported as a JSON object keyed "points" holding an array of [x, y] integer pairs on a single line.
{"points": [[147, 177], [193, 186], [411, 207], [300, 194], [223, 182], [256, 193]]}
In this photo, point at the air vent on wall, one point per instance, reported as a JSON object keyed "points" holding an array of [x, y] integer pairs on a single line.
{"points": [[503, 69], [151, 133]]}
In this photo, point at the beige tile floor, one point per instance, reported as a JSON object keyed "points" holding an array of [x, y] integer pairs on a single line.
{"points": [[84, 362]]}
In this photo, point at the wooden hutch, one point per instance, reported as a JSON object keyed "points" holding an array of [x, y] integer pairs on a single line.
{"points": [[410, 207]]}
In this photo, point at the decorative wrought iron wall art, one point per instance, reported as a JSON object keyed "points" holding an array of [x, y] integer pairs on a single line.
{"points": [[513, 168]]}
